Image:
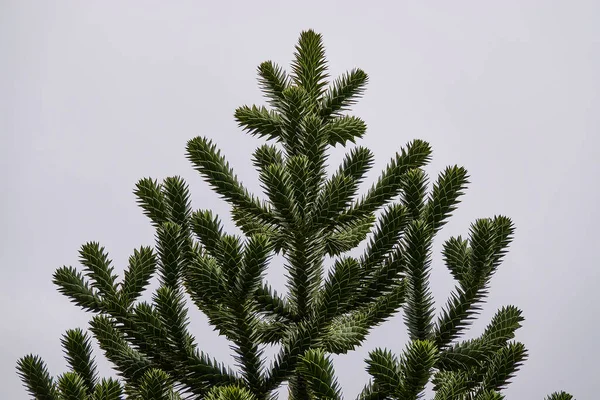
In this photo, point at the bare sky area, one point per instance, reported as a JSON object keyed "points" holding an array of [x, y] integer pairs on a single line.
{"points": [[96, 95]]}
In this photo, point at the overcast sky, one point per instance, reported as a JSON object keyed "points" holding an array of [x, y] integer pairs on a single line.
{"points": [[96, 95]]}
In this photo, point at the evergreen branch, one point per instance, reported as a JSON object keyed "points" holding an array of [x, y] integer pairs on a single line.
{"points": [[130, 364], [209, 230], [356, 164], [177, 199], [416, 367], [294, 345], [260, 122], [200, 373], [78, 353], [207, 286], [343, 129], [170, 243], [151, 332], [371, 392], [504, 230], [414, 189], [483, 244], [146, 331], [349, 236], [33, 373], [197, 371], [384, 367], [205, 280], [461, 309], [334, 298], [229, 393], [231, 258], [97, 267], [503, 366], [333, 199], [309, 68], [343, 93], [251, 225], [503, 326], [298, 387], [387, 304], [297, 168], [465, 356], [346, 332], [266, 155], [338, 191], [248, 354], [273, 81], [294, 117], [317, 368], [304, 265], [271, 331], [173, 314], [72, 284], [390, 183], [450, 386], [142, 265], [489, 395], [456, 253], [418, 313], [271, 303], [72, 386], [155, 385], [276, 183], [388, 231], [212, 165], [314, 145], [151, 199], [382, 278], [489, 239], [256, 257], [560, 396], [108, 389], [444, 198]]}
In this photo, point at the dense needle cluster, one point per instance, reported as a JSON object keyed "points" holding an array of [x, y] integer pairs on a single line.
{"points": [[307, 217]]}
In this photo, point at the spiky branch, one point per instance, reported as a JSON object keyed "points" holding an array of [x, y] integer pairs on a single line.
{"points": [[306, 216]]}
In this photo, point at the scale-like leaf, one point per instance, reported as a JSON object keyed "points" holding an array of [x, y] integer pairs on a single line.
{"points": [[72, 387], [317, 368], [343, 129], [309, 68], [142, 265], [34, 374], [390, 183], [212, 165], [340, 285], [273, 81], [151, 199], [445, 196], [72, 284], [108, 389], [418, 312], [97, 267], [343, 93], [78, 352], [503, 366], [260, 122]]}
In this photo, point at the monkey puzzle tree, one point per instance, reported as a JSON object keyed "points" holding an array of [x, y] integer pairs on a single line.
{"points": [[307, 217]]}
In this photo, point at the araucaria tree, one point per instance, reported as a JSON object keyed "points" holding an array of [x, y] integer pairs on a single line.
{"points": [[307, 217]]}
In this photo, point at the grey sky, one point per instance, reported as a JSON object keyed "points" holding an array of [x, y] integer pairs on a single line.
{"points": [[96, 95]]}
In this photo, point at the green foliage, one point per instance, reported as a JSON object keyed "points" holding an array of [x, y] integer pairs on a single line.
{"points": [[306, 217]]}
